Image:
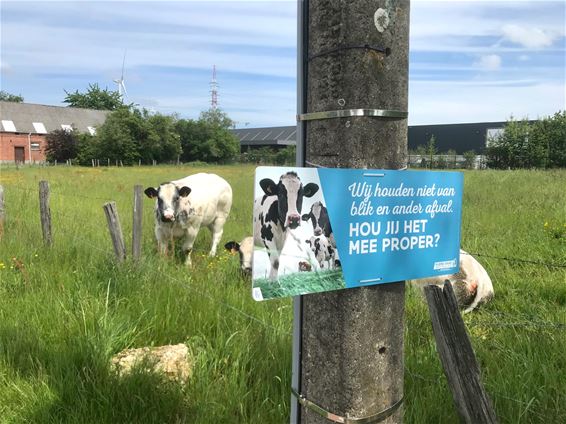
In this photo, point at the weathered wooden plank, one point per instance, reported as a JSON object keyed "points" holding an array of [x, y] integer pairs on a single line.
{"points": [[137, 222], [45, 213], [115, 230], [457, 357]]}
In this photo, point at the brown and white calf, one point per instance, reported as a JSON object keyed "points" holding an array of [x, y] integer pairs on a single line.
{"points": [[245, 249], [277, 212], [472, 285], [183, 206]]}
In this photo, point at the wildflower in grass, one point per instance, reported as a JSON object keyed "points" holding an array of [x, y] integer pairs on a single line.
{"points": [[555, 230], [2, 265]]}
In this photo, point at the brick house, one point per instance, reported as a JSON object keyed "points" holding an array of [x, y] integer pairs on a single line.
{"points": [[23, 127]]}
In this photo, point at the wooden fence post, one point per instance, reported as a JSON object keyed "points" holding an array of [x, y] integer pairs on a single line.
{"points": [[45, 212], [457, 356], [2, 213], [115, 229], [137, 225]]}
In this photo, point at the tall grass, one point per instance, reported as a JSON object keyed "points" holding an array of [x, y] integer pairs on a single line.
{"points": [[65, 310]]}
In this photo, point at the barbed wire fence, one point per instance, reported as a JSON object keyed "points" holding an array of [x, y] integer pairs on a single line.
{"points": [[185, 284], [523, 323]]}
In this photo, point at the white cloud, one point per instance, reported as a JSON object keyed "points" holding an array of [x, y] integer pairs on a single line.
{"points": [[489, 62], [529, 37], [445, 102]]}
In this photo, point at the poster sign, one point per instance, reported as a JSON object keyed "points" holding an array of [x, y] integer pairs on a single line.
{"points": [[326, 229]]}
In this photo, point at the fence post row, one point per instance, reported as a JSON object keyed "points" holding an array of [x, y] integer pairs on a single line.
{"points": [[457, 356], [45, 212], [137, 224], [115, 229]]}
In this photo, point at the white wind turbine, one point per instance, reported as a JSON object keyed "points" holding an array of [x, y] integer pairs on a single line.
{"points": [[121, 85]]}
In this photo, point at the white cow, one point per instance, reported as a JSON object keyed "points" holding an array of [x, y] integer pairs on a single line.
{"points": [[472, 285], [184, 205], [245, 249]]}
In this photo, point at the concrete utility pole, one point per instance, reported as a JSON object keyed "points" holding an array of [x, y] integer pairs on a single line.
{"points": [[355, 57]]}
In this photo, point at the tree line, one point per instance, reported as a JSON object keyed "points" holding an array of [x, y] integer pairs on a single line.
{"points": [[525, 144], [132, 135]]}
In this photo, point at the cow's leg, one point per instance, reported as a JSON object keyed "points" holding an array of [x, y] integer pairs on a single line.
{"points": [[190, 236], [216, 228], [274, 259], [274, 249]]}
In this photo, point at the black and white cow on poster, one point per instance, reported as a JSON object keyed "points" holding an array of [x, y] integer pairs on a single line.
{"points": [[318, 216], [323, 250], [277, 212]]}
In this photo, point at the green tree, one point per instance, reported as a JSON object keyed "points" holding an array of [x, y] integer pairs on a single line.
{"points": [[510, 149], [117, 138], [164, 139], [94, 98], [7, 97], [61, 145], [217, 118], [549, 137], [209, 139], [431, 151], [87, 149], [286, 156], [469, 159]]}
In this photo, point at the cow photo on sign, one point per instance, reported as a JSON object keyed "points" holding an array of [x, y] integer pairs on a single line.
{"points": [[294, 250], [326, 229]]}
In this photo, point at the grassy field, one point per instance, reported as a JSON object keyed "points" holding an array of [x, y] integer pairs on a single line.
{"points": [[66, 310]]}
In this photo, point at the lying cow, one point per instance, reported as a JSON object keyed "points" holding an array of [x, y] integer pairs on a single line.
{"points": [[472, 285], [277, 212], [323, 250], [318, 216], [245, 249], [184, 205]]}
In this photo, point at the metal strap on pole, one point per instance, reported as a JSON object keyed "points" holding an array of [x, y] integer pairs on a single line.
{"points": [[376, 418], [346, 113]]}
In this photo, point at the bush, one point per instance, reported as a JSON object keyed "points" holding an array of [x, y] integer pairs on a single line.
{"points": [[62, 145], [541, 144]]}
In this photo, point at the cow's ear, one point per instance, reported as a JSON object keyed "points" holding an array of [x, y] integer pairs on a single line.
{"points": [[184, 191], [310, 189], [268, 186], [232, 246], [306, 217], [151, 192]]}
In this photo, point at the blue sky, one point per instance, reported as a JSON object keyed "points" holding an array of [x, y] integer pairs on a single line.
{"points": [[469, 60]]}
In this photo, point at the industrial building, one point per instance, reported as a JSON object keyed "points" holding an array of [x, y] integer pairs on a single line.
{"points": [[458, 137]]}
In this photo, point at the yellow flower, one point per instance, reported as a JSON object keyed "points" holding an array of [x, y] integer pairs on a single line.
{"points": [[2, 266], [546, 224]]}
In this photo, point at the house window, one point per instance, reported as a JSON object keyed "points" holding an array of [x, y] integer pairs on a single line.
{"points": [[8, 126], [35, 146], [39, 127]]}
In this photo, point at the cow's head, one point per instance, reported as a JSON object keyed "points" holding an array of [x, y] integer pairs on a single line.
{"points": [[169, 198], [290, 193], [245, 249], [319, 218]]}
